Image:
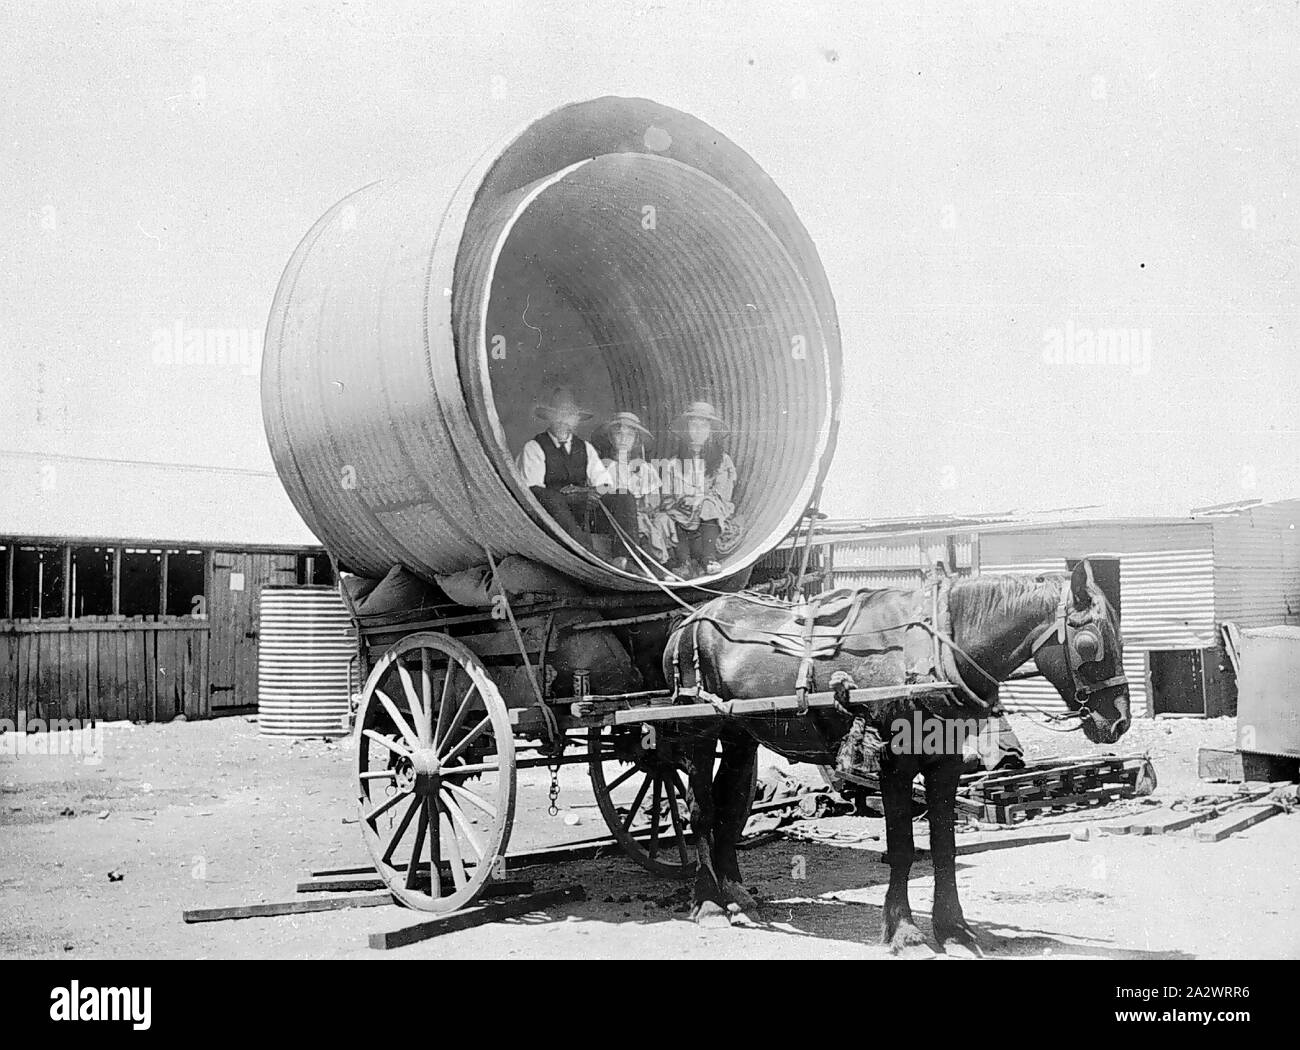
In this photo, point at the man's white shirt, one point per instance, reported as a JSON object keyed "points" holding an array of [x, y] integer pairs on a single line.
{"points": [[532, 462]]}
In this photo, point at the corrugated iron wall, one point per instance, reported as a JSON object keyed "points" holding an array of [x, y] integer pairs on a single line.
{"points": [[1166, 590], [1257, 566], [899, 561]]}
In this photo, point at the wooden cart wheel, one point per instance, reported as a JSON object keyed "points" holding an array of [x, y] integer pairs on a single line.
{"points": [[435, 772], [651, 817]]}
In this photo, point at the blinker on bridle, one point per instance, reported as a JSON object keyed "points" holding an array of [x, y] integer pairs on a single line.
{"points": [[1082, 645]]}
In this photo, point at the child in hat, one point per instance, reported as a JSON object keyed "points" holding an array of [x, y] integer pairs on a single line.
{"points": [[698, 485]]}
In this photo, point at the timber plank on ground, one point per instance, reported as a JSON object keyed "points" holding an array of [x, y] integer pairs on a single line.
{"points": [[477, 915], [1220, 828]]}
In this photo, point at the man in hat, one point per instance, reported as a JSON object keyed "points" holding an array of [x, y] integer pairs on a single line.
{"points": [[564, 472]]}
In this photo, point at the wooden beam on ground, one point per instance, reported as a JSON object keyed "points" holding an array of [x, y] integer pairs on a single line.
{"points": [[1118, 825], [298, 907], [1220, 828], [1165, 820], [495, 888], [477, 915]]}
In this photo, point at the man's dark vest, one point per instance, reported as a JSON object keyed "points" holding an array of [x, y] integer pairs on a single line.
{"points": [[563, 469]]}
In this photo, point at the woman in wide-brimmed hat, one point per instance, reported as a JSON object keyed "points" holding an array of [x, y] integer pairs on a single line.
{"points": [[621, 441], [698, 486]]}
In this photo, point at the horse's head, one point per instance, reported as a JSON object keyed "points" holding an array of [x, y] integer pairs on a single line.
{"points": [[1082, 655]]}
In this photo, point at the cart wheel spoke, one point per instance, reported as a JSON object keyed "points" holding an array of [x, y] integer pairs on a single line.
{"points": [[677, 824], [460, 716], [621, 779], [407, 733], [400, 830], [392, 745], [470, 797], [430, 814], [457, 862], [466, 740], [385, 806], [631, 813], [413, 865], [442, 702], [418, 711], [459, 819], [654, 820]]}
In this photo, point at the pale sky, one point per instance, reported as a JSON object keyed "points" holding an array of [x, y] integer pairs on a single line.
{"points": [[981, 179]]}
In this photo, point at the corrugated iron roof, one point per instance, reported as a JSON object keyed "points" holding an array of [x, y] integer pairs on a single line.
{"points": [[83, 497]]}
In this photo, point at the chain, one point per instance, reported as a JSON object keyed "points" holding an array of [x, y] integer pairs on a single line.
{"points": [[554, 794]]}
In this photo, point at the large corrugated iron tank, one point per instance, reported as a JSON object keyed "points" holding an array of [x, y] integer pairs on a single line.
{"points": [[616, 246]]}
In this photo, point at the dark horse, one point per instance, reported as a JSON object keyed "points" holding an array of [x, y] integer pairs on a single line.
{"points": [[995, 624]]}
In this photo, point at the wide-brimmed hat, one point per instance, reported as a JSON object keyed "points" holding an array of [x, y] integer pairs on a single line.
{"points": [[561, 402], [627, 419], [702, 410]]}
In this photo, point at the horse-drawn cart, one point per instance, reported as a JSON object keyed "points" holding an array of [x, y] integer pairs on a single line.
{"points": [[440, 744]]}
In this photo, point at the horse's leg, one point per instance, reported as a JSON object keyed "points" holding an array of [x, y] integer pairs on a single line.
{"points": [[900, 932], [731, 797], [709, 909], [950, 929]]}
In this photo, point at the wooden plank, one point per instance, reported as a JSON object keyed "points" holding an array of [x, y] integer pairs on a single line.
{"points": [[1165, 820], [113, 673], [295, 907], [52, 677], [477, 915], [98, 625], [494, 888], [94, 705], [131, 660], [151, 676], [192, 646], [203, 705], [1220, 828], [66, 706], [31, 675]]}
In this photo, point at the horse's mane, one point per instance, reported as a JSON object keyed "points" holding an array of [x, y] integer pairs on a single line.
{"points": [[977, 600]]}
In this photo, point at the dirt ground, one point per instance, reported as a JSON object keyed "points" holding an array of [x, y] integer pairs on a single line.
{"points": [[99, 861]]}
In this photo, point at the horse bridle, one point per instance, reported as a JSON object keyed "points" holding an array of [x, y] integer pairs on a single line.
{"points": [[1074, 641]]}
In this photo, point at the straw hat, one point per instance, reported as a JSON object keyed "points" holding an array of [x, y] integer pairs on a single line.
{"points": [[627, 419], [561, 403], [702, 410]]}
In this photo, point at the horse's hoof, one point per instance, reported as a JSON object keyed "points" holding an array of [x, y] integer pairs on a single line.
{"points": [[959, 942], [908, 942], [961, 949], [738, 898], [913, 952], [711, 916], [738, 916]]}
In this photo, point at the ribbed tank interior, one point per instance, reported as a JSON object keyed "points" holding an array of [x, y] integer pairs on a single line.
{"points": [[643, 284]]}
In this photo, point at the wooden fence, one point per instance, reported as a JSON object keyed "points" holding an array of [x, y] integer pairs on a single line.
{"points": [[148, 671]]}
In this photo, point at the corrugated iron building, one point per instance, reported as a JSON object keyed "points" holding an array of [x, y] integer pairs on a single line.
{"points": [[1177, 580], [129, 590]]}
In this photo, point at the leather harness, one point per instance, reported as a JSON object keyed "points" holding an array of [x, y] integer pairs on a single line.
{"points": [[810, 644]]}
